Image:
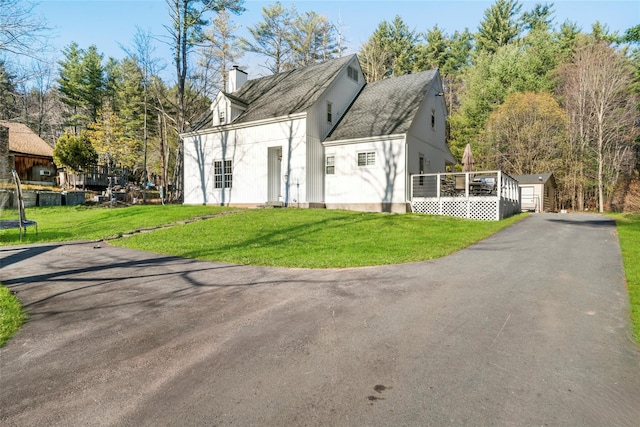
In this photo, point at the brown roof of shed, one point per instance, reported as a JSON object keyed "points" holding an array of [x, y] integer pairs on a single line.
{"points": [[24, 141]]}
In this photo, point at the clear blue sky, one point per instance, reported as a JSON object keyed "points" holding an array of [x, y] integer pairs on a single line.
{"points": [[111, 23]]}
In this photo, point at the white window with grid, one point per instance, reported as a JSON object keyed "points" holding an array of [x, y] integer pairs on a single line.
{"points": [[330, 165], [366, 158], [222, 174]]}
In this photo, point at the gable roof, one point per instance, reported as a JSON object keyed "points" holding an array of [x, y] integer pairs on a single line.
{"points": [[539, 178], [385, 107], [289, 92], [24, 141], [281, 94]]}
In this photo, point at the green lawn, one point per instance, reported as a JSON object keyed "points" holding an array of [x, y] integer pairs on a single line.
{"points": [[629, 235], [63, 223], [11, 315], [312, 238]]}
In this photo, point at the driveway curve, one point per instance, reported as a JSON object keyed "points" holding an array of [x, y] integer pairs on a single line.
{"points": [[528, 327]]}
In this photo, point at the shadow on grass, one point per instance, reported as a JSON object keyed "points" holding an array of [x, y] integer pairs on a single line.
{"points": [[275, 237]]}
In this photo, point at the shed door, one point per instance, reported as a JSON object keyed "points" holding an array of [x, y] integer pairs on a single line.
{"points": [[528, 199]]}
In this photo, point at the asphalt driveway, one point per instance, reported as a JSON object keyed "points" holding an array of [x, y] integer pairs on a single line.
{"points": [[528, 327]]}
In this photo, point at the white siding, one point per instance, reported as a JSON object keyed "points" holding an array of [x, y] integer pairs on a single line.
{"points": [[428, 140], [340, 94], [381, 183], [248, 149]]}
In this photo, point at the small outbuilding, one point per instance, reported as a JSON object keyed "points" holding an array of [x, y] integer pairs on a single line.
{"points": [[23, 150], [537, 192]]}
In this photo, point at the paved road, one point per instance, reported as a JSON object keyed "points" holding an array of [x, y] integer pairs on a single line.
{"points": [[528, 327]]}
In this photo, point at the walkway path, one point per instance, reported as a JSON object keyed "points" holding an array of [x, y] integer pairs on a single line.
{"points": [[528, 327]]}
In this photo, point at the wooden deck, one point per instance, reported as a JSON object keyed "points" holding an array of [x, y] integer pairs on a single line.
{"points": [[482, 195]]}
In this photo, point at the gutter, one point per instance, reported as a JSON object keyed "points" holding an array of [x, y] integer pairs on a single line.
{"points": [[234, 126]]}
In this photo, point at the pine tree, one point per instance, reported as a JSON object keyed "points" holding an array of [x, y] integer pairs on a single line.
{"points": [[8, 94], [271, 37], [219, 50], [499, 26], [312, 40], [92, 81], [70, 83]]}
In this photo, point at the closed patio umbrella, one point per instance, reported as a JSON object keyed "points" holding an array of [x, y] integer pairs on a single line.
{"points": [[467, 159]]}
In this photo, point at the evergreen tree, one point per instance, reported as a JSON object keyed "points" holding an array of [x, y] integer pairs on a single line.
{"points": [[374, 60], [271, 37], [434, 53], [459, 57], [70, 83], [8, 94], [398, 44], [499, 26], [601, 32], [81, 84], [312, 40], [74, 151], [220, 49], [93, 81], [566, 39], [539, 18]]}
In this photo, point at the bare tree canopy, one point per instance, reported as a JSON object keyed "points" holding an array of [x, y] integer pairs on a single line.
{"points": [[22, 31]]}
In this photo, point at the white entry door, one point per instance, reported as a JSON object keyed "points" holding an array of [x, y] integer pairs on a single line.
{"points": [[274, 172]]}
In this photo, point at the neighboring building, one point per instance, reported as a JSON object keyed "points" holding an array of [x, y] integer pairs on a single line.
{"points": [[317, 137], [537, 192], [28, 154]]}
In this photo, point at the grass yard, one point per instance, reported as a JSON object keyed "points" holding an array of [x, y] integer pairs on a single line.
{"points": [[317, 238], [11, 315], [64, 223], [628, 227]]}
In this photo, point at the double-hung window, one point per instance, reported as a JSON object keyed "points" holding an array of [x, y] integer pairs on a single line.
{"points": [[330, 165], [367, 158], [222, 174]]}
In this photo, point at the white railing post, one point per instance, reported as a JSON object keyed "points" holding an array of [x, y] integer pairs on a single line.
{"points": [[411, 191], [438, 194], [498, 194]]}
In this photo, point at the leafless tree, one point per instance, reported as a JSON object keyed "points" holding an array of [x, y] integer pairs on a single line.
{"points": [[599, 103], [22, 31]]}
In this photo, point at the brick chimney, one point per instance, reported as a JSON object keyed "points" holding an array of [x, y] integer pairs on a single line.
{"points": [[5, 164], [237, 78]]}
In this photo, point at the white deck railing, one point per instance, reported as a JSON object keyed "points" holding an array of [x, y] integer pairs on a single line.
{"points": [[483, 195]]}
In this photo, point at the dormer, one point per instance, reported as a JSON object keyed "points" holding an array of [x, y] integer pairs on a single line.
{"points": [[227, 107]]}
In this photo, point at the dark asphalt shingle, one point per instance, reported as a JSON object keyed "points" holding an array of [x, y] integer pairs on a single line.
{"points": [[385, 107]]}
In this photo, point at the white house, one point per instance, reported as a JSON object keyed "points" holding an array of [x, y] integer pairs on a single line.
{"points": [[317, 137]]}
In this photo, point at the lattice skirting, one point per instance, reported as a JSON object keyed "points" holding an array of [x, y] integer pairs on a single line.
{"points": [[479, 208]]}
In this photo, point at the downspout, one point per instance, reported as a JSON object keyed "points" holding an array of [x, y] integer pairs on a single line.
{"points": [[407, 185]]}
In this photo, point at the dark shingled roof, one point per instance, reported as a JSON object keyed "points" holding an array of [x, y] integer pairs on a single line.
{"points": [[287, 93], [281, 94], [385, 107], [533, 178]]}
